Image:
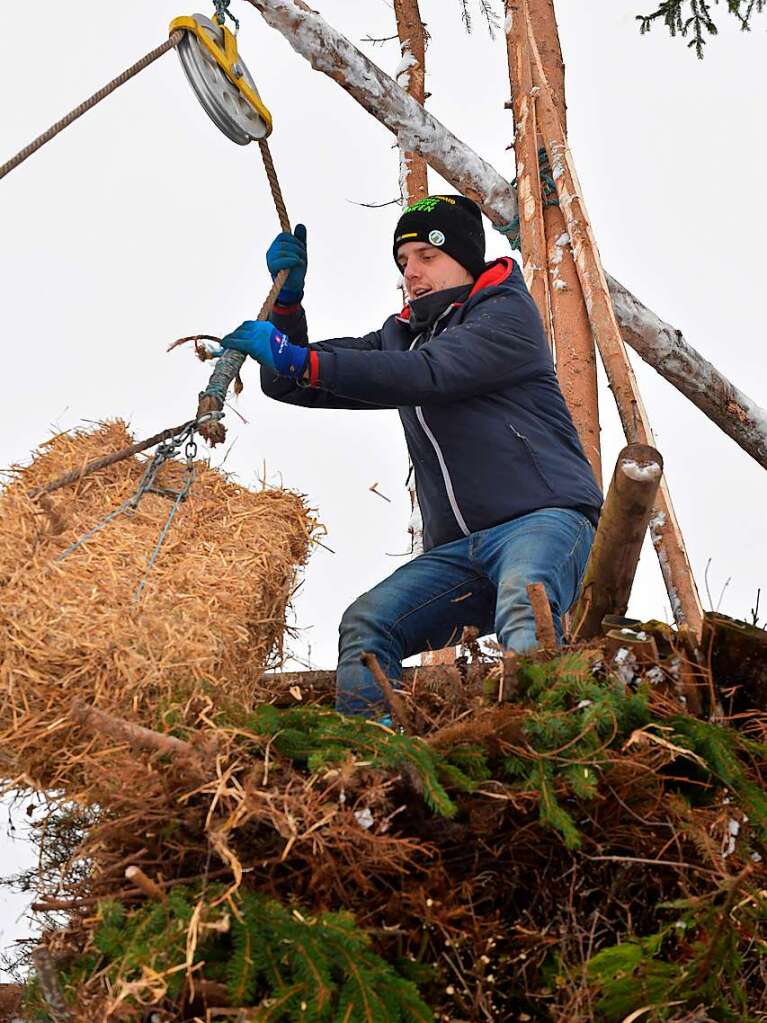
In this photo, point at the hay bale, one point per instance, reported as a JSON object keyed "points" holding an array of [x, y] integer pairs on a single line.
{"points": [[210, 619]]}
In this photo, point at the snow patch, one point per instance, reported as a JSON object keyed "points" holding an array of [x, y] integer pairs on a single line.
{"points": [[508, 22], [641, 473], [402, 73], [364, 818], [654, 676], [733, 830]]}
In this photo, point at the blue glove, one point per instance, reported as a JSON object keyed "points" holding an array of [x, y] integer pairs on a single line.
{"points": [[288, 252], [268, 346]]}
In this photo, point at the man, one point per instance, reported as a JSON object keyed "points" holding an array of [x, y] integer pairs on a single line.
{"points": [[506, 493]]}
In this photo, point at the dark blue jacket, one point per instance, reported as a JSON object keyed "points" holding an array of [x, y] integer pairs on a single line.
{"points": [[487, 428]]}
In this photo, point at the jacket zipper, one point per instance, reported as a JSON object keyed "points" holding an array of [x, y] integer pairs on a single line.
{"points": [[531, 455], [437, 450]]}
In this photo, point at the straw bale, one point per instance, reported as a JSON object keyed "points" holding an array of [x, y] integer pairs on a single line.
{"points": [[210, 620]]}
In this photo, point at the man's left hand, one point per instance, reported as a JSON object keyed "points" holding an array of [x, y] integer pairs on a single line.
{"points": [[268, 346]]}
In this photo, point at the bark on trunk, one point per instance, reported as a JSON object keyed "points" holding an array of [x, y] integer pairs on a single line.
{"points": [[412, 37], [617, 545], [328, 51], [574, 342], [531, 227], [666, 534]]}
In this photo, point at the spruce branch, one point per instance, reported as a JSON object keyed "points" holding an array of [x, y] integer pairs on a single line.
{"points": [[694, 18]]}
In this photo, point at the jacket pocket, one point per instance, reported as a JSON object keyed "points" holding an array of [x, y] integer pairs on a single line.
{"points": [[525, 442]]}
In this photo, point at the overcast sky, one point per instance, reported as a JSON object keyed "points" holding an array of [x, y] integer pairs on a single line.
{"points": [[142, 223]]}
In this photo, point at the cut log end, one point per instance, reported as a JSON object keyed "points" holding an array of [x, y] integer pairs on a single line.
{"points": [[614, 557]]}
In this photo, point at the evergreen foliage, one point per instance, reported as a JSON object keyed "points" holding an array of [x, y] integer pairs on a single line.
{"points": [[722, 749], [319, 739], [694, 959], [695, 18], [574, 720], [486, 10], [290, 966]]}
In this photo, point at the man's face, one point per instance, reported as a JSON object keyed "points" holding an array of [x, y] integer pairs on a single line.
{"points": [[427, 269]]}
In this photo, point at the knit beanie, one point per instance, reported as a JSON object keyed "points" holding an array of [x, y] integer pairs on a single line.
{"points": [[452, 223]]}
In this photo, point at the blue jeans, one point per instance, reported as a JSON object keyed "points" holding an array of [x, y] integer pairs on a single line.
{"points": [[478, 580]]}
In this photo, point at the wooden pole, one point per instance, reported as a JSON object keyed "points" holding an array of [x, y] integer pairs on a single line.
{"points": [[531, 228], [412, 37], [618, 542], [544, 620], [574, 343], [665, 531]]}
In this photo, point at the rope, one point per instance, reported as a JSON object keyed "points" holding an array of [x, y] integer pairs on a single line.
{"points": [[274, 184], [230, 363], [59, 126], [548, 192]]}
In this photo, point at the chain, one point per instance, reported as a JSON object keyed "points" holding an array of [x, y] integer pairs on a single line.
{"points": [[166, 451], [223, 12], [190, 452]]}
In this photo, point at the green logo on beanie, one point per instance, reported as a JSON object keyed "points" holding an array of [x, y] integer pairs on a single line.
{"points": [[428, 204]]}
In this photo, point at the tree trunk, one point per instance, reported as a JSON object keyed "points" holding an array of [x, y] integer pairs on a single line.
{"points": [[574, 342], [412, 37], [666, 534], [531, 228]]}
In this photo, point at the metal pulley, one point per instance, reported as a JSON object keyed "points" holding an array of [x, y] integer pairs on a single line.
{"points": [[221, 80]]}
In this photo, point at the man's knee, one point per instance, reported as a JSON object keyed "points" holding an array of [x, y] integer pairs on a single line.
{"points": [[360, 621], [515, 618]]}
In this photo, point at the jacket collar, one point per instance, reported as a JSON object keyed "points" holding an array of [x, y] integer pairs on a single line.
{"points": [[495, 273]]}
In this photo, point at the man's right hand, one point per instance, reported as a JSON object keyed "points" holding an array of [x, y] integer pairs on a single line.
{"points": [[288, 252]]}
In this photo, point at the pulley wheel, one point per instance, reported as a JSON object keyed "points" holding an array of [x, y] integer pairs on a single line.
{"points": [[222, 101]]}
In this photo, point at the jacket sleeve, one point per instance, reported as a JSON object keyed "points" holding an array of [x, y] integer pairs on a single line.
{"points": [[499, 343], [293, 393]]}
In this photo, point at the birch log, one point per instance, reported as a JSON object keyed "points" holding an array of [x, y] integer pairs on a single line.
{"points": [[664, 348], [574, 342], [331, 53]]}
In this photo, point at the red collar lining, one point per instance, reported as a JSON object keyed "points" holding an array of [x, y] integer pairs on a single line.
{"points": [[497, 272]]}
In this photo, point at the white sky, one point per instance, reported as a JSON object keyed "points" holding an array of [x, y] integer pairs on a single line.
{"points": [[142, 223]]}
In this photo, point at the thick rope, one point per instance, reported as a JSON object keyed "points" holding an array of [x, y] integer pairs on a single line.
{"points": [[230, 363], [59, 126], [274, 184]]}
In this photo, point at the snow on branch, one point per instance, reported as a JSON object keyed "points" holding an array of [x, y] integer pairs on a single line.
{"points": [[330, 52], [665, 349]]}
